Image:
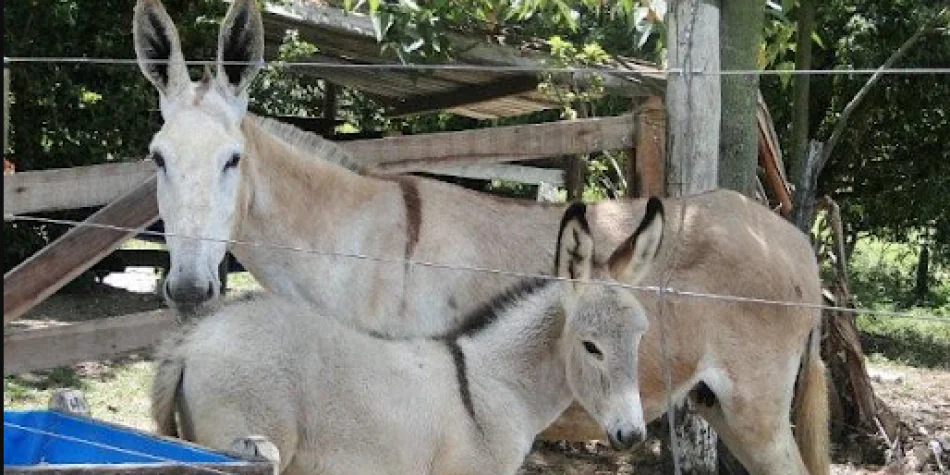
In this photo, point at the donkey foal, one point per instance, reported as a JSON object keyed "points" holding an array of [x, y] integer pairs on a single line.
{"points": [[337, 400]]}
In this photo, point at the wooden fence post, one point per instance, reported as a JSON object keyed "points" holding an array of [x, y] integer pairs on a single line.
{"points": [[646, 172], [6, 108]]}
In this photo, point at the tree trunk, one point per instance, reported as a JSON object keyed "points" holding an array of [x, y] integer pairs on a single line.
{"points": [[800, 94], [739, 139], [693, 105], [923, 274], [739, 134]]}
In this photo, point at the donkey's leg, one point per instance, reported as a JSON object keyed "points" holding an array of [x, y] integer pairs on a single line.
{"points": [[752, 419]]}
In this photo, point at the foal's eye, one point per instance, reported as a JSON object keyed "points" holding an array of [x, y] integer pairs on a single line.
{"points": [[592, 349], [233, 161], [158, 159]]}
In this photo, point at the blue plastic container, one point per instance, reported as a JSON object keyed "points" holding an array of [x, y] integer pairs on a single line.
{"points": [[32, 438]]}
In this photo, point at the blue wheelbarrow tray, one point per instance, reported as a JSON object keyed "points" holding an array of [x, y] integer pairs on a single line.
{"points": [[49, 442]]}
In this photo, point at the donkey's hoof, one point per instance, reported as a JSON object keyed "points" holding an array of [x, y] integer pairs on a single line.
{"points": [[257, 447]]}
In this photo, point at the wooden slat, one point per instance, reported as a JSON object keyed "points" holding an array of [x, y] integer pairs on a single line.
{"points": [[52, 347], [81, 247], [96, 185], [650, 151], [6, 107], [516, 173], [498, 144], [465, 95], [70, 188]]}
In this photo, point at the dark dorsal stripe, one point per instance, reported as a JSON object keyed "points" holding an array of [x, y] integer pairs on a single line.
{"points": [[483, 316]]}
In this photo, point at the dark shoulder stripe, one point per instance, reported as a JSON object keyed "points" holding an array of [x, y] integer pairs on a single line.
{"points": [[461, 375], [413, 204]]}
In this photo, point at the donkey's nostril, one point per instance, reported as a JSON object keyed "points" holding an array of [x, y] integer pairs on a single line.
{"points": [[210, 291], [167, 288]]}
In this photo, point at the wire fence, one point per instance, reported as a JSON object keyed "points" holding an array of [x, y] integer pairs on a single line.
{"points": [[539, 68], [661, 291], [485, 270]]}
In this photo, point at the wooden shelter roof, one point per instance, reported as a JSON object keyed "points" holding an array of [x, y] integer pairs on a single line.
{"points": [[348, 38]]}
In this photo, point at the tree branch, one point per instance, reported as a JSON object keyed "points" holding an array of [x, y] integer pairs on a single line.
{"points": [[863, 92]]}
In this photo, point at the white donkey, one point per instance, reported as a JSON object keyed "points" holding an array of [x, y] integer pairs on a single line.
{"points": [[336, 400], [224, 174]]}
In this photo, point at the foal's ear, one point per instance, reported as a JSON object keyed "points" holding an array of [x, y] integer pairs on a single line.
{"points": [[158, 49], [241, 40], [631, 261], [575, 246]]}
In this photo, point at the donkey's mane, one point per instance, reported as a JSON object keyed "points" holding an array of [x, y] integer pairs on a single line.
{"points": [[487, 313], [309, 143]]}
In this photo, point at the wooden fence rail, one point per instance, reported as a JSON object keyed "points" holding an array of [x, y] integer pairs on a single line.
{"points": [[470, 153]]}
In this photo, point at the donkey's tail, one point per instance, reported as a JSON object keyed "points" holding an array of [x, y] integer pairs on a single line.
{"points": [[165, 390], [811, 410]]}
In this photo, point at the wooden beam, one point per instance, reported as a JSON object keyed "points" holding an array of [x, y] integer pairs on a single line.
{"points": [[6, 108], [52, 347], [650, 163], [96, 185], [71, 188], [79, 249], [516, 173], [463, 96], [411, 153]]}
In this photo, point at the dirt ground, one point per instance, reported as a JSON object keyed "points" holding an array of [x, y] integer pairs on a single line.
{"points": [[116, 392]]}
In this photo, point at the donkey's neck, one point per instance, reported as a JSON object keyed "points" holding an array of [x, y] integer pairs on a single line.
{"points": [[306, 193], [516, 360]]}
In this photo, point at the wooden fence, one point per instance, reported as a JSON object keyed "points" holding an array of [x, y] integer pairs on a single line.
{"points": [[128, 191]]}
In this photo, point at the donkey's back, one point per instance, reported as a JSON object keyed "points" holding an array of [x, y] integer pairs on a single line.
{"points": [[311, 386]]}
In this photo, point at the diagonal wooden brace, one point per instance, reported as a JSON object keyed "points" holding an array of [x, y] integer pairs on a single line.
{"points": [[61, 261]]}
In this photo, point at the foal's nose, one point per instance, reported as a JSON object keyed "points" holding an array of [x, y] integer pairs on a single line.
{"points": [[624, 437]]}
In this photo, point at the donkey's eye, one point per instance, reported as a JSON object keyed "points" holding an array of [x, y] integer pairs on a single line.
{"points": [[592, 349], [158, 159], [233, 161]]}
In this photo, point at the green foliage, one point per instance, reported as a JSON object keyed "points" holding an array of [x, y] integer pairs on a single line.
{"points": [[65, 115], [882, 278], [891, 170]]}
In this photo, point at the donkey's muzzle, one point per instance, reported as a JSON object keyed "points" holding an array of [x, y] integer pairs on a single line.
{"points": [[623, 438], [187, 297]]}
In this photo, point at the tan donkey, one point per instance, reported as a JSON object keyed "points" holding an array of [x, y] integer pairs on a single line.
{"points": [[226, 175]]}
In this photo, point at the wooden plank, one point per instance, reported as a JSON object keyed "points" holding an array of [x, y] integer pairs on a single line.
{"points": [[6, 109], [650, 163], [413, 153], [70, 188], [52, 347], [465, 95], [516, 173], [96, 185], [62, 260]]}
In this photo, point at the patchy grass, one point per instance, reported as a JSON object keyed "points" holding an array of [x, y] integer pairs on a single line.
{"points": [[883, 275], [117, 391]]}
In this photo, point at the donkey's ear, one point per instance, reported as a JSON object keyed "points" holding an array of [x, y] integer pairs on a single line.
{"points": [[575, 246], [158, 49], [240, 46], [632, 260]]}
